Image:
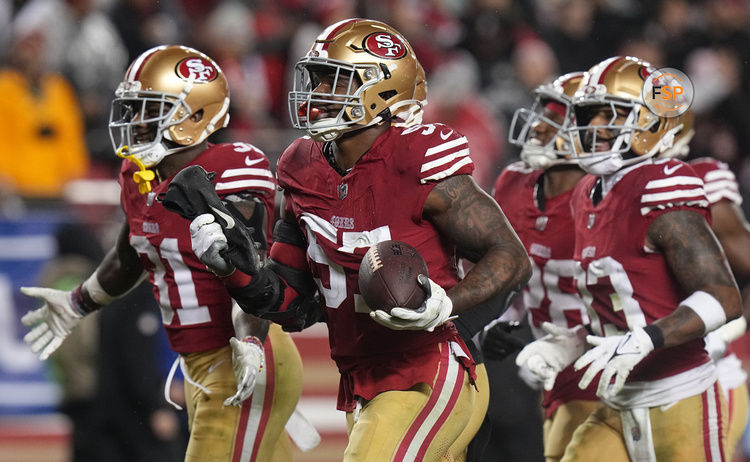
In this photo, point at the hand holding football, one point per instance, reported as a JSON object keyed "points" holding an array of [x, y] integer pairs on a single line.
{"points": [[388, 276]]}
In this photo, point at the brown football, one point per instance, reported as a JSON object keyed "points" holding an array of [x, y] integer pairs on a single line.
{"points": [[388, 276]]}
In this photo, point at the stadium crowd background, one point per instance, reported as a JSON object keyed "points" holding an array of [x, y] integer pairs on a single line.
{"points": [[62, 59]]}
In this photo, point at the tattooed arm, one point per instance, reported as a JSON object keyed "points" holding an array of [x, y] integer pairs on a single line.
{"points": [[468, 217], [698, 263]]}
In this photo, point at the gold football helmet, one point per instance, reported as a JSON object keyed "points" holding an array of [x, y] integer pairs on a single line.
{"points": [[613, 84], [172, 97], [374, 73], [414, 111], [681, 145], [540, 130]]}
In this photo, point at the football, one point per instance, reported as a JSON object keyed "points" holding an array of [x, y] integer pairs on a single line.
{"points": [[388, 276]]}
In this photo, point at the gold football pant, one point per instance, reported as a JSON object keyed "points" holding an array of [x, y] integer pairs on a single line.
{"points": [[737, 402], [254, 431], [692, 429], [559, 428], [481, 402], [418, 424]]}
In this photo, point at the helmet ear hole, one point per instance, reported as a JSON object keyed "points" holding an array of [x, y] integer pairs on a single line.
{"points": [[197, 116], [655, 127], [386, 95]]}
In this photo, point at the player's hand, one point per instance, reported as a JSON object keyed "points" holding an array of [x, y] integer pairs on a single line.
{"points": [[548, 355], [499, 342], [435, 310], [51, 323], [615, 356], [717, 341], [208, 241], [247, 360]]}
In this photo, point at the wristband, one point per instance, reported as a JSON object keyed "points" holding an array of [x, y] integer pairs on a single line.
{"points": [[707, 308], [657, 336], [79, 302], [96, 292]]}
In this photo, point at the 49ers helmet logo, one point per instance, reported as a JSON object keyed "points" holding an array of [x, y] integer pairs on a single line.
{"points": [[384, 45], [199, 69]]}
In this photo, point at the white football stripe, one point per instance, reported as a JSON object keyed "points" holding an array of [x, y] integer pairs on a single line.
{"points": [[665, 205], [674, 181], [263, 184], [444, 159], [444, 398], [444, 173], [671, 195], [721, 184], [719, 174], [246, 171], [445, 146], [256, 403], [724, 194]]}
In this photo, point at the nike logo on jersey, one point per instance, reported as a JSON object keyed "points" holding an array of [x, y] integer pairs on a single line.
{"points": [[213, 366], [670, 170], [227, 218], [445, 135], [250, 162]]}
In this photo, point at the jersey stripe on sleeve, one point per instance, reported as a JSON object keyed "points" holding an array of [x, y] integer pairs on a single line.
{"points": [[239, 179], [720, 185], [445, 159], [673, 192]]}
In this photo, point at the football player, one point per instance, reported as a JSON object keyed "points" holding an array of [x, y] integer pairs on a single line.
{"points": [[729, 224], [358, 179], [535, 196], [243, 379], [653, 277]]}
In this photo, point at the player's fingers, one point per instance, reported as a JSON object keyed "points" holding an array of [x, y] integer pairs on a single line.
{"points": [[586, 358], [594, 340], [201, 221], [40, 342], [54, 343], [34, 316], [406, 313], [550, 328], [36, 333], [605, 380], [593, 369], [34, 291]]}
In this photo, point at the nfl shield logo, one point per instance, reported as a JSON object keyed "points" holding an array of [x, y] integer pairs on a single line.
{"points": [[343, 190]]}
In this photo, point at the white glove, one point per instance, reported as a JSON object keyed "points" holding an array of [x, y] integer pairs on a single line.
{"points": [[616, 356], [208, 240], [247, 360], [435, 310], [717, 341], [532, 379], [547, 356], [52, 322]]}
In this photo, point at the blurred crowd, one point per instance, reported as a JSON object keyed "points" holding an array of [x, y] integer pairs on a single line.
{"points": [[62, 60]]}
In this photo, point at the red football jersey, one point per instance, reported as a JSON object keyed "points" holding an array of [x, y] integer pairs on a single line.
{"points": [[622, 283], [551, 294], [195, 306], [380, 198]]}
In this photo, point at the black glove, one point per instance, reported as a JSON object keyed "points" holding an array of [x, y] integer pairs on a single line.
{"points": [[191, 193], [499, 342]]}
